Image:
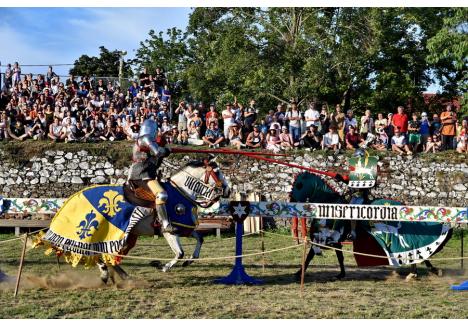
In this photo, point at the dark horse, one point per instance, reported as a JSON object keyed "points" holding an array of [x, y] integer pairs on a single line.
{"points": [[366, 238]]}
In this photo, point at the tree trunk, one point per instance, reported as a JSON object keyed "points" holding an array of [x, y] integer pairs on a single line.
{"points": [[347, 100]]}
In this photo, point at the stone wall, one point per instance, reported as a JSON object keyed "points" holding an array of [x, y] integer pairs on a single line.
{"points": [[416, 181]]}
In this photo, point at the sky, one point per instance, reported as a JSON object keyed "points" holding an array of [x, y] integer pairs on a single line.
{"points": [[48, 36], [61, 35]]}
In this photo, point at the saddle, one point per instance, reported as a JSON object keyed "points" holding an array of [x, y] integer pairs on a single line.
{"points": [[137, 193]]}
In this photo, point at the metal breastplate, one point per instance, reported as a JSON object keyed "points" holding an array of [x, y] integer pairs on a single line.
{"points": [[139, 153]]}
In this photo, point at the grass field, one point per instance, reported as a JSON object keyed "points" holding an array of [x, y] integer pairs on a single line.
{"points": [[50, 290]]}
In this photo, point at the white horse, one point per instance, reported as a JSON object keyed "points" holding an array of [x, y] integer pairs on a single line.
{"points": [[203, 183]]}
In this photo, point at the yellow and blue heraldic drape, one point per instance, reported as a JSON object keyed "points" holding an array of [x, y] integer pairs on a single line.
{"points": [[94, 223]]}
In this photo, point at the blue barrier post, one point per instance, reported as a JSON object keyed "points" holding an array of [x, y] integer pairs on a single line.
{"points": [[239, 211], [463, 286]]}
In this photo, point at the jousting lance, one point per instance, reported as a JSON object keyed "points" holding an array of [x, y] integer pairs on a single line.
{"points": [[261, 156]]}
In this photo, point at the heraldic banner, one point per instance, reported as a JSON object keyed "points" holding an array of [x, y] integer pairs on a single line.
{"points": [[93, 223]]}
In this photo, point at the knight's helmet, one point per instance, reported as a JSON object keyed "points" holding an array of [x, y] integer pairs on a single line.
{"points": [[149, 128]]}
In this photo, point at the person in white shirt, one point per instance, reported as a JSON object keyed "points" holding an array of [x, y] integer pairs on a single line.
{"points": [[312, 116], [399, 143], [331, 140], [228, 118]]}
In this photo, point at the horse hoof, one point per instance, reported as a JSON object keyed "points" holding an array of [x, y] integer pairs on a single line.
{"points": [[411, 276], [436, 271], [155, 263], [187, 263], [340, 276]]}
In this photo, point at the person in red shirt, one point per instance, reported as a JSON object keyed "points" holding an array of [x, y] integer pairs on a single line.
{"points": [[400, 120], [353, 139]]}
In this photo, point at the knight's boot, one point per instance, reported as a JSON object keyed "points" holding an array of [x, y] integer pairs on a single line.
{"points": [[164, 218]]}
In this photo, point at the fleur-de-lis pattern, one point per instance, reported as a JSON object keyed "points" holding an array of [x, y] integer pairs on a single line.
{"points": [[87, 224], [110, 202]]}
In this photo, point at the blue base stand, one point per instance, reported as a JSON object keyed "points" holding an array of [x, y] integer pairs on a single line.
{"points": [[238, 276], [461, 287]]}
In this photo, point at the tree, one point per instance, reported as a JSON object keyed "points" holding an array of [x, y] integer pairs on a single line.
{"points": [[106, 65], [448, 53]]}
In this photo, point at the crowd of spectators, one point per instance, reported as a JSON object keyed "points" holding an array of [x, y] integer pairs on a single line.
{"points": [[87, 110]]}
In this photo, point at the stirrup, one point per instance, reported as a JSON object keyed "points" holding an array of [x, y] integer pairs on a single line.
{"points": [[169, 229]]}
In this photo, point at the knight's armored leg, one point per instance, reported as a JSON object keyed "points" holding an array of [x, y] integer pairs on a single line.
{"points": [[161, 198]]}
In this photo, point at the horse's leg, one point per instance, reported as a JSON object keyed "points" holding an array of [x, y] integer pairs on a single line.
{"points": [[340, 256], [196, 252], [413, 272], [432, 269], [120, 271], [308, 259], [174, 243], [105, 273]]}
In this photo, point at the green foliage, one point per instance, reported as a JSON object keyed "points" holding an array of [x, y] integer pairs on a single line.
{"points": [[359, 57], [106, 65]]}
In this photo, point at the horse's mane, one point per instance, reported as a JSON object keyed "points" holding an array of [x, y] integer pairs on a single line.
{"points": [[313, 188], [200, 163]]}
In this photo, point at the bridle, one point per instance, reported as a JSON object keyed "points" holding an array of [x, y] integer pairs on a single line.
{"points": [[210, 173]]}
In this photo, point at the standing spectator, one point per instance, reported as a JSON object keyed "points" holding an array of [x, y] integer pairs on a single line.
{"points": [[212, 116], [400, 121], [213, 137], [4, 126], [390, 131], [182, 118], [228, 118], [380, 123], [8, 76], [367, 124], [50, 75], [294, 118], [311, 138], [324, 119], [349, 121], [159, 80], [353, 139], [337, 118], [256, 138], [331, 140], [16, 74], [399, 144], [145, 82], [414, 127], [134, 89], [435, 124], [280, 114], [250, 116], [269, 118], [166, 94], [424, 129], [448, 132], [312, 116]]}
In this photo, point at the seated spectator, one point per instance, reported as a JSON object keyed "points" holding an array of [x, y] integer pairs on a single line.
{"points": [[172, 136], [432, 145], [119, 133], [399, 144], [56, 131], [213, 136], [4, 126], [183, 137], [235, 136], [77, 134], [108, 132], [272, 140], [255, 139], [414, 137], [286, 141], [311, 138], [93, 133], [193, 131], [331, 140], [166, 94], [196, 121], [36, 131], [165, 126], [353, 139], [462, 138]]}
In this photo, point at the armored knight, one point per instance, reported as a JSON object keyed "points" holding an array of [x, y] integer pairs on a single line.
{"points": [[147, 158]]}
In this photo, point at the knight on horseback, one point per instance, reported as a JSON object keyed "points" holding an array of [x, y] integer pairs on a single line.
{"points": [[148, 154]]}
